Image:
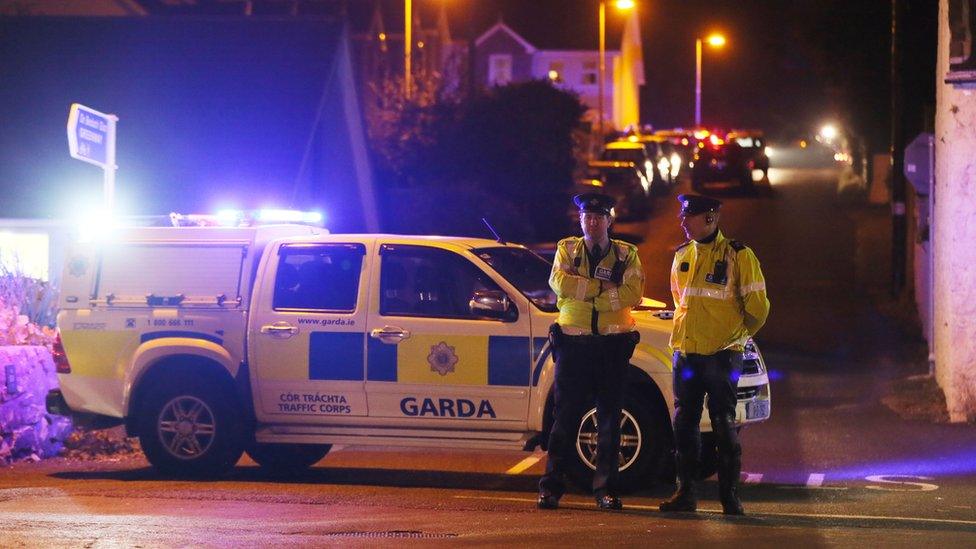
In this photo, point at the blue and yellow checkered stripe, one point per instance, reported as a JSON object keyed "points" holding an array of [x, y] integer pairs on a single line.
{"points": [[492, 360], [466, 360]]}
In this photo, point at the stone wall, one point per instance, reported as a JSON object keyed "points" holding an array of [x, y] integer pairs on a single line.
{"points": [[954, 236], [27, 431]]}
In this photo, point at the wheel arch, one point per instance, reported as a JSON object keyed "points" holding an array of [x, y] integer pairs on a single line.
{"points": [[182, 365]]}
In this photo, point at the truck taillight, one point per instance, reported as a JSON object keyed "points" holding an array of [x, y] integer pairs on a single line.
{"points": [[60, 359]]}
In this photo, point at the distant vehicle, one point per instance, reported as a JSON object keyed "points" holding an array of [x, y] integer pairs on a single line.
{"points": [[682, 143], [753, 144], [647, 156], [624, 181], [728, 157]]}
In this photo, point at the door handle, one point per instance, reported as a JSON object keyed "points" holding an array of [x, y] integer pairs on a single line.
{"points": [[279, 329], [389, 334]]}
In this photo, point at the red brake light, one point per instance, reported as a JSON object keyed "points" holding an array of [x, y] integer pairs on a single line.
{"points": [[60, 358]]}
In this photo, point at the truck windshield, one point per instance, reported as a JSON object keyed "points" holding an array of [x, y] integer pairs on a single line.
{"points": [[525, 270]]}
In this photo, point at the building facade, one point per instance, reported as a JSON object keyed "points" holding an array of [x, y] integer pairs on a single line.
{"points": [[502, 56], [954, 213]]}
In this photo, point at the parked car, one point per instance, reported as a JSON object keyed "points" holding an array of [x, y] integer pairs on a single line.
{"points": [[728, 156], [647, 156], [623, 181]]}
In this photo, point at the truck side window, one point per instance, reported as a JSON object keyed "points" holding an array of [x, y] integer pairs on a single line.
{"points": [[318, 277], [421, 281]]}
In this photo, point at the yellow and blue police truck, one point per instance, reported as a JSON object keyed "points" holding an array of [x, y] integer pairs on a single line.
{"points": [[283, 340]]}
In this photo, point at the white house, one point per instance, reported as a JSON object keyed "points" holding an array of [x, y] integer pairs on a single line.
{"points": [[501, 56]]}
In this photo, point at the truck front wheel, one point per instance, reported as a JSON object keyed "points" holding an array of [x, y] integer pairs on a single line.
{"points": [[190, 429], [643, 444], [284, 459]]}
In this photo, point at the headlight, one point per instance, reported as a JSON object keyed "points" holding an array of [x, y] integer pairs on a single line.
{"points": [[752, 361], [664, 167], [675, 165]]}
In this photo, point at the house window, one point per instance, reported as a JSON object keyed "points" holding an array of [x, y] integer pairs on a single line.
{"points": [[962, 59], [499, 69], [590, 71]]}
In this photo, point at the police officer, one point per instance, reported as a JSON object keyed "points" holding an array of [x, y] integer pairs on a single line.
{"points": [[597, 281], [720, 301]]}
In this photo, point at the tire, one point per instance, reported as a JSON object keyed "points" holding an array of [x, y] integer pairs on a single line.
{"points": [[287, 459], [190, 428], [644, 443]]}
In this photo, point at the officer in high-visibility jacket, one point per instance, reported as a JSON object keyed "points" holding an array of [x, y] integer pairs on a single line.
{"points": [[597, 281], [720, 301]]}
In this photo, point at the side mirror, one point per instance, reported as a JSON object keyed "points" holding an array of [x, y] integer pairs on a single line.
{"points": [[493, 304]]}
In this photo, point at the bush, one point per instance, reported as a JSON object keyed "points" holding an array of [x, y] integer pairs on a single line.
{"points": [[28, 310]]}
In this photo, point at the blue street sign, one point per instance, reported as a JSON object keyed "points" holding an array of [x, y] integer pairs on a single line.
{"points": [[91, 136]]}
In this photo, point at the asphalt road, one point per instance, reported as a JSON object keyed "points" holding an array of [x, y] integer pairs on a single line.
{"points": [[833, 467]]}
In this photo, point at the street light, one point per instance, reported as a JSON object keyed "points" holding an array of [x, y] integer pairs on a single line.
{"points": [[716, 41], [620, 5], [407, 46], [828, 132]]}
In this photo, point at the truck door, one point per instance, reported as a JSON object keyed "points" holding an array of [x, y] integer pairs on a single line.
{"points": [[306, 335], [431, 357]]}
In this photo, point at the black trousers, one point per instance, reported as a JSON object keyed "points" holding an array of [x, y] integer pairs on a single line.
{"points": [[588, 367], [695, 376]]}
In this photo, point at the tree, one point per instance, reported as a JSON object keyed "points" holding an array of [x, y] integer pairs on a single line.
{"points": [[506, 154]]}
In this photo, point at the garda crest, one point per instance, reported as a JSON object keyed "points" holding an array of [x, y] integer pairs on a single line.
{"points": [[442, 358]]}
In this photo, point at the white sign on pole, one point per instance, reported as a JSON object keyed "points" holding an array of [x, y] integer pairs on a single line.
{"points": [[91, 138]]}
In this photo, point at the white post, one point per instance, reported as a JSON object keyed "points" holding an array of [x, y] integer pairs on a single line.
{"points": [[110, 167]]}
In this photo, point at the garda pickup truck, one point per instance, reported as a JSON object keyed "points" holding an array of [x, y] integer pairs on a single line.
{"points": [[284, 340]]}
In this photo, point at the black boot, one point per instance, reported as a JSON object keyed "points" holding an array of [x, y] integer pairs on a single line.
{"points": [[683, 500], [729, 468], [728, 485]]}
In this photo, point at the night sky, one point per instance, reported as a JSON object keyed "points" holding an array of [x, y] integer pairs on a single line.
{"points": [[788, 67]]}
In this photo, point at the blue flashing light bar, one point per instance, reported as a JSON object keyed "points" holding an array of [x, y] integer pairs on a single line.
{"points": [[272, 215]]}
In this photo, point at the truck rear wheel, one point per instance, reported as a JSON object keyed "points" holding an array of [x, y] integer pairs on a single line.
{"points": [[286, 459], [190, 429], [643, 444]]}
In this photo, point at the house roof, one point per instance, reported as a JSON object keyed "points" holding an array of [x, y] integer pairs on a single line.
{"points": [[501, 27], [574, 33]]}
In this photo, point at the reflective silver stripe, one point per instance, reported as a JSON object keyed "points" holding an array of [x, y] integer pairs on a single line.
{"points": [[754, 287], [632, 271], [614, 296], [564, 267], [581, 284], [705, 292]]}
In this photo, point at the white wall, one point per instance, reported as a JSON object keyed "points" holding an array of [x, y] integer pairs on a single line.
{"points": [[955, 236]]}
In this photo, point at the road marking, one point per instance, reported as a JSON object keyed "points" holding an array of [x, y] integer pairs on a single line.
{"points": [[753, 478], [718, 511], [524, 464], [840, 488], [815, 480]]}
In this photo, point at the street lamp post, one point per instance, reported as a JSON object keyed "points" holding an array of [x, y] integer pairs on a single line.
{"points": [[715, 40], [407, 47], [622, 5]]}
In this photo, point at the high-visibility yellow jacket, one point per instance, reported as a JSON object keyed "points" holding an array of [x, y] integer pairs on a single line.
{"points": [[581, 296], [719, 296]]}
